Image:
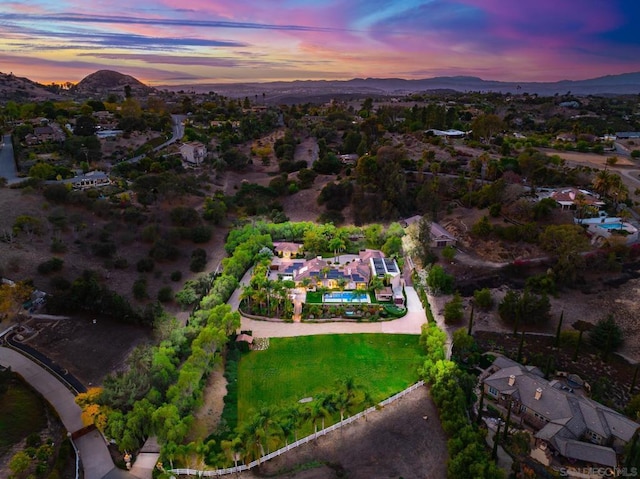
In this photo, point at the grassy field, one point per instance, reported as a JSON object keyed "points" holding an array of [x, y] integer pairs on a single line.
{"points": [[296, 368], [22, 414]]}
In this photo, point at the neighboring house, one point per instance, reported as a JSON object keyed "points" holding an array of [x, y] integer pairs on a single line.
{"points": [[349, 159], [564, 421], [102, 134], [570, 104], [92, 179], [410, 221], [44, 134], [569, 137], [193, 153], [218, 123], [447, 133], [440, 237], [626, 135], [570, 198], [285, 249]]}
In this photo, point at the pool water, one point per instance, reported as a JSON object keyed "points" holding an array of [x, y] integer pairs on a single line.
{"points": [[611, 226], [346, 297]]}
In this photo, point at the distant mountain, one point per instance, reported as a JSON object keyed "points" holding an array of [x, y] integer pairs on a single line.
{"points": [[104, 82], [13, 88], [627, 83]]}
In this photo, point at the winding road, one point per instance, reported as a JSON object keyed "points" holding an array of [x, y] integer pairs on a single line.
{"points": [[91, 445], [177, 132], [8, 168]]}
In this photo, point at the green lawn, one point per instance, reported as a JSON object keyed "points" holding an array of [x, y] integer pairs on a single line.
{"points": [[314, 297], [296, 368], [23, 413]]}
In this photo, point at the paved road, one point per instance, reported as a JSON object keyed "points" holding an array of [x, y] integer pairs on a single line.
{"points": [[177, 134], [7, 163], [96, 460]]}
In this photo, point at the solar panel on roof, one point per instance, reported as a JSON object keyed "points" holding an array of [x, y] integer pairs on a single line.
{"points": [[391, 265]]}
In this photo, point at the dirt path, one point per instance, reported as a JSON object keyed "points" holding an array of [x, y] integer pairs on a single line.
{"points": [[394, 442], [208, 416]]}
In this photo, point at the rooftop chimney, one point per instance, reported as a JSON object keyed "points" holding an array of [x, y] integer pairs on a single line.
{"points": [[512, 380], [538, 394]]}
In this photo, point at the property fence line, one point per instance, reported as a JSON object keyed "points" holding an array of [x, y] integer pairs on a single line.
{"points": [[300, 442]]}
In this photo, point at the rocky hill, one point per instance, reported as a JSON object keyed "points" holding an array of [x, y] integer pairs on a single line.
{"points": [[13, 88], [105, 82]]}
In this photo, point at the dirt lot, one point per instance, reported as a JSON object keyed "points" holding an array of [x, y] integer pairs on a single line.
{"points": [[394, 442], [88, 350]]}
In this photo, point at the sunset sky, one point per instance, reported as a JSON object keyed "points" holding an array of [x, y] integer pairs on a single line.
{"points": [[207, 41]]}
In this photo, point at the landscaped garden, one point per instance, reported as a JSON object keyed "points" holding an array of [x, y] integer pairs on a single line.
{"points": [[304, 367]]}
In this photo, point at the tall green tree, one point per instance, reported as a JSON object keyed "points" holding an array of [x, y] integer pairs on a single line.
{"points": [[566, 243], [606, 335]]}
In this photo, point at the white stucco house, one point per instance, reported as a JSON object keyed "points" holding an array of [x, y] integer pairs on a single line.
{"points": [[193, 153]]}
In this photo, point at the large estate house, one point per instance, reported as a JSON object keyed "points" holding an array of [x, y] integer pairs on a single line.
{"points": [[355, 272], [564, 421]]}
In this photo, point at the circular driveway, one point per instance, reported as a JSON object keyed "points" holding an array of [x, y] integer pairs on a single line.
{"points": [[411, 323]]}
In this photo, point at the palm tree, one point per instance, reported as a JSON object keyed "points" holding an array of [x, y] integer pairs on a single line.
{"points": [[321, 409], [618, 190], [267, 422], [232, 449], [337, 244], [602, 182], [260, 296], [169, 452], [247, 295], [306, 282], [251, 436], [581, 206], [288, 423], [625, 216], [377, 284], [341, 404]]}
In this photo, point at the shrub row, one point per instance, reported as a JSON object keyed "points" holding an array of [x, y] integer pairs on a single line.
{"points": [[451, 390]]}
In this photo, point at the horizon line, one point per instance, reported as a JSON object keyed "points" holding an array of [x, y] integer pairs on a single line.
{"points": [[195, 82]]}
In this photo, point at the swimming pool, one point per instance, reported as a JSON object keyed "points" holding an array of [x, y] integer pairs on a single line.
{"points": [[611, 226], [346, 297]]}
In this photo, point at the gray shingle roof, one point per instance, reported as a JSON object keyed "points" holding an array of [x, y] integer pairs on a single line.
{"points": [[585, 451], [570, 416]]}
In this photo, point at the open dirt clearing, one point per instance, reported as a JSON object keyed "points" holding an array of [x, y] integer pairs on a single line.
{"points": [[593, 160], [394, 442]]}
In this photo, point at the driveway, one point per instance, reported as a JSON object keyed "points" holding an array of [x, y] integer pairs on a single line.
{"points": [[92, 448], [7, 163], [411, 323]]}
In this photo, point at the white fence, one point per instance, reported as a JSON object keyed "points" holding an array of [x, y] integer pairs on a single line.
{"points": [[293, 445]]}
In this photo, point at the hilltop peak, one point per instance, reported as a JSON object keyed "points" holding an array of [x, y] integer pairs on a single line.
{"points": [[109, 81]]}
